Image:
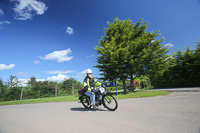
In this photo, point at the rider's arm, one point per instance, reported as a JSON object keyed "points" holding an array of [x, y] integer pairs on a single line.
{"points": [[96, 82]]}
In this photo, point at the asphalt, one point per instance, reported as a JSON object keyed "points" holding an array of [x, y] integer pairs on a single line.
{"points": [[188, 89], [178, 112]]}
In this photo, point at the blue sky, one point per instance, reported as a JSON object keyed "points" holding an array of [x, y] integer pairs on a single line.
{"points": [[54, 40]]}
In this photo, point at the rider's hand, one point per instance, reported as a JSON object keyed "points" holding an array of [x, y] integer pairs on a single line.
{"points": [[103, 85]]}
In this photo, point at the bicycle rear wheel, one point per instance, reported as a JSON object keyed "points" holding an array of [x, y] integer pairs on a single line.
{"points": [[110, 102], [85, 100]]}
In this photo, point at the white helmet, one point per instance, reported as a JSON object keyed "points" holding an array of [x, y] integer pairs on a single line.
{"points": [[89, 71]]}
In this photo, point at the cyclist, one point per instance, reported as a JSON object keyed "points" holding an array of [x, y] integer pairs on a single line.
{"points": [[89, 86]]}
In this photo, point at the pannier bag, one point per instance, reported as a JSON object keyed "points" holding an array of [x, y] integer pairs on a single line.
{"points": [[81, 92]]}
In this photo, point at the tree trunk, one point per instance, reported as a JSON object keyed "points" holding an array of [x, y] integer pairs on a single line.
{"points": [[132, 83], [124, 84], [149, 83]]}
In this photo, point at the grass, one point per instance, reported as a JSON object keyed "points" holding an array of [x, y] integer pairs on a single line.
{"points": [[137, 94], [141, 94], [42, 100]]}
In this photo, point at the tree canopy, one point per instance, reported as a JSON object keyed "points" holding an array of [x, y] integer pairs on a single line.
{"points": [[128, 50], [37, 89], [183, 70]]}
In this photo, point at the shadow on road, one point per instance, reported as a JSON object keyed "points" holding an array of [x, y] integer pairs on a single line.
{"points": [[84, 109]]}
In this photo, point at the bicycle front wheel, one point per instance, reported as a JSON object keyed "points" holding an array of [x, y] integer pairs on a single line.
{"points": [[110, 102]]}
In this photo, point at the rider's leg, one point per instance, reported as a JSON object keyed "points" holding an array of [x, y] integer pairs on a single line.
{"points": [[99, 94], [100, 97], [92, 97]]}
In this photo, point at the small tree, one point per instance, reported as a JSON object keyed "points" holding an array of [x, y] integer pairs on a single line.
{"points": [[68, 84], [32, 81], [13, 81]]}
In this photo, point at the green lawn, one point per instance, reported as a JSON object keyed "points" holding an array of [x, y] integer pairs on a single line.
{"points": [[140, 94], [136, 94]]}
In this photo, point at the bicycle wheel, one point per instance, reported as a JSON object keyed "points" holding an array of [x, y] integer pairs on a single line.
{"points": [[85, 100], [110, 102]]}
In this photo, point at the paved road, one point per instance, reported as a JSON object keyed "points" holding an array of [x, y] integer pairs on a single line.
{"points": [[178, 112]]}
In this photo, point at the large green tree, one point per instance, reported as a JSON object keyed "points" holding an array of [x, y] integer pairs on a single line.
{"points": [[128, 51]]}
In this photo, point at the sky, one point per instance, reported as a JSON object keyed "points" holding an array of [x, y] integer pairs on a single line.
{"points": [[55, 40]]}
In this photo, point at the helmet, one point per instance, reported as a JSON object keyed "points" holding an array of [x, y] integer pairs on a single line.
{"points": [[89, 71]]}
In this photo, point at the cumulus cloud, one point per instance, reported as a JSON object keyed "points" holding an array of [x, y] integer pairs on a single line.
{"points": [[5, 21], [24, 82], [58, 78], [69, 30], [59, 72], [169, 45], [90, 56], [26, 9], [59, 56], [1, 12], [6, 67], [36, 62], [21, 74]]}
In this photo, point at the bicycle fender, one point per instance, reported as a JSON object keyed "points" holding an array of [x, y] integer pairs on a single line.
{"points": [[108, 93], [80, 97]]}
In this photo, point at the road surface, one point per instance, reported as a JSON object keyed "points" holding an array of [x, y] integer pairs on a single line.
{"points": [[178, 112]]}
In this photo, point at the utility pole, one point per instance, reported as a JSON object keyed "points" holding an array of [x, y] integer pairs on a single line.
{"points": [[72, 89], [21, 93], [56, 89]]}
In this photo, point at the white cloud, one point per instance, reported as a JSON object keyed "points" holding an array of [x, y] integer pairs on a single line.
{"points": [[69, 30], [36, 62], [169, 45], [90, 56], [21, 74], [24, 82], [1, 12], [59, 56], [4, 22], [6, 67], [26, 9], [58, 78], [59, 72]]}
